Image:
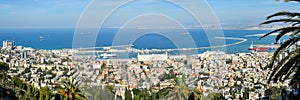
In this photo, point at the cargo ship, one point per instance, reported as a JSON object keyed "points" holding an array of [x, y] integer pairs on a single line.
{"points": [[263, 47]]}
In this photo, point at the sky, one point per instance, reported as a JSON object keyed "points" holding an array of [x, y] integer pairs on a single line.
{"points": [[67, 13]]}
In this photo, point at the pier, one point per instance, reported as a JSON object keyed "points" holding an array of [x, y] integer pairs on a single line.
{"points": [[129, 48]]}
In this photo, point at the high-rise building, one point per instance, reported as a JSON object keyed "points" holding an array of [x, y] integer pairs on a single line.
{"points": [[4, 44], [10, 44], [7, 44]]}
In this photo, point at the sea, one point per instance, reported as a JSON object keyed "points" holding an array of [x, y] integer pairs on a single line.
{"points": [[62, 38]]}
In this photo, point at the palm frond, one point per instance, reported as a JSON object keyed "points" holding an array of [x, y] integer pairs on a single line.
{"points": [[285, 20], [284, 67], [282, 30], [288, 75], [296, 77], [289, 0], [69, 89], [283, 47], [275, 70], [294, 0], [289, 63], [296, 24], [284, 13], [295, 32]]}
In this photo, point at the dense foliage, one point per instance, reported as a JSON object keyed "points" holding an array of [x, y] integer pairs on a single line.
{"points": [[13, 88]]}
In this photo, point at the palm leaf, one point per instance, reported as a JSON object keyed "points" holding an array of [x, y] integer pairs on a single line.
{"points": [[285, 20], [285, 67], [288, 75], [289, 0], [296, 24], [69, 89], [284, 13], [294, 0], [294, 54], [283, 47], [287, 30], [275, 70], [282, 30], [295, 32], [296, 77]]}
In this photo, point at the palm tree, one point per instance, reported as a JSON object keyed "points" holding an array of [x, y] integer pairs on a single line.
{"points": [[45, 93], [197, 93], [284, 68], [68, 89], [288, 0], [180, 90]]}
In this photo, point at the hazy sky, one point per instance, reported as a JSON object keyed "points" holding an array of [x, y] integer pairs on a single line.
{"points": [[66, 13]]}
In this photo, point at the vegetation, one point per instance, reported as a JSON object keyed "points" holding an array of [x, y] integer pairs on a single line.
{"points": [[181, 91], [213, 96], [291, 63], [3, 67], [16, 89], [195, 95], [98, 93], [69, 89]]}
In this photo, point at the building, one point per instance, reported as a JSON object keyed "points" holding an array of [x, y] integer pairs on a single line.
{"points": [[4, 44], [152, 57], [121, 89], [7, 44]]}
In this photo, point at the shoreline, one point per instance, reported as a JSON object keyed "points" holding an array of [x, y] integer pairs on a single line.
{"points": [[241, 40]]}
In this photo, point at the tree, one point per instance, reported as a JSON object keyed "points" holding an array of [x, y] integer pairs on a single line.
{"points": [[128, 95], [7, 94], [18, 82], [97, 93], [291, 63], [163, 92], [3, 67], [45, 93], [180, 90], [196, 94], [141, 94], [68, 89], [39, 69], [218, 96]]}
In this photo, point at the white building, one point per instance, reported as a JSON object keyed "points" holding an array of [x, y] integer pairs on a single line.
{"points": [[7, 44], [152, 57], [4, 44]]}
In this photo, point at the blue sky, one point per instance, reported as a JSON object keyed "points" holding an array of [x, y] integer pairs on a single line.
{"points": [[66, 13]]}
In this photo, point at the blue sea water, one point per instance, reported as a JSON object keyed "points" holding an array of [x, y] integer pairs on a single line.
{"points": [[63, 38]]}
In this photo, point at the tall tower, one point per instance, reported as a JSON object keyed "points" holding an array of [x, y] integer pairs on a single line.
{"points": [[4, 44]]}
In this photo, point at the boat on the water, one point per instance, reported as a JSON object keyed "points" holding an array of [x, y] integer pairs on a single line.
{"points": [[106, 56], [263, 47], [41, 37]]}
